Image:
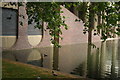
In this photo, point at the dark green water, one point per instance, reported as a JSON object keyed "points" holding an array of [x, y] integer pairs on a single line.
{"points": [[102, 62]]}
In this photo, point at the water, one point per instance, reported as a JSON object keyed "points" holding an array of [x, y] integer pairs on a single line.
{"points": [[102, 62]]}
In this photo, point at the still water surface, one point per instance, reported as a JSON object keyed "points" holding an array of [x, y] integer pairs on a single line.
{"points": [[79, 59]]}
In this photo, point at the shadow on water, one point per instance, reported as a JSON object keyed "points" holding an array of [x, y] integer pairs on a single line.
{"points": [[102, 62]]}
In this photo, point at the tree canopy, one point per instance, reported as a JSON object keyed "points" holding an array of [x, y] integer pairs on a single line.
{"points": [[106, 14], [48, 12], [108, 17]]}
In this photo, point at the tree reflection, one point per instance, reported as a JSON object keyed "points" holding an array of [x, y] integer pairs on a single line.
{"points": [[55, 58], [118, 58], [114, 59], [92, 62], [102, 59], [101, 62]]}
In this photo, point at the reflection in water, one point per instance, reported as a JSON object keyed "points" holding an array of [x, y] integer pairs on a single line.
{"points": [[102, 63], [113, 62], [80, 59], [89, 60], [27, 56], [118, 58], [8, 41], [41, 62], [56, 58]]}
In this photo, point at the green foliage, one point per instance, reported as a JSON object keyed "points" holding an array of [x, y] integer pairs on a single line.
{"points": [[50, 14], [111, 18], [109, 13]]}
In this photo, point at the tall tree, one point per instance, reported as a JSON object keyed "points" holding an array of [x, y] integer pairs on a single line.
{"points": [[108, 18], [107, 12], [49, 13]]}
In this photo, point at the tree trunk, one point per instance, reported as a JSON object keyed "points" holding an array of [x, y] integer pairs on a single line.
{"points": [[91, 26], [103, 22], [99, 21], [56, 51], [55, 54], [91, 22]]}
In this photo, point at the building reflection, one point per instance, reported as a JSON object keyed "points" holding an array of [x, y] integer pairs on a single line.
{"points": [[79, 59], [29, 56]]}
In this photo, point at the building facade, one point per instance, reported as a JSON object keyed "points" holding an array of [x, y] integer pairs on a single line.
{"points": [[15, 36]]}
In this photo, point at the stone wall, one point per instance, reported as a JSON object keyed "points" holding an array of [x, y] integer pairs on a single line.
{"points": [[74, 34]]}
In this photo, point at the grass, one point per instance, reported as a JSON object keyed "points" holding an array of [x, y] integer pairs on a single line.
{"points": [[11, 69]]}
